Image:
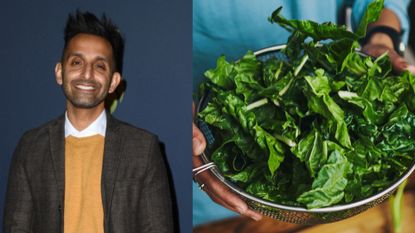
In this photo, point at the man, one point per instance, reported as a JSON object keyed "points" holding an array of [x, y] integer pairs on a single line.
{"points": [[86, 171]]}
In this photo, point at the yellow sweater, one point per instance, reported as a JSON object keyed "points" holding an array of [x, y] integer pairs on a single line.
{"points": [[83, 212]]}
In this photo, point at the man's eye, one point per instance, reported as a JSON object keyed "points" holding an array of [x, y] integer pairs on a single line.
{"points": [[101, 66], [75, 62]]}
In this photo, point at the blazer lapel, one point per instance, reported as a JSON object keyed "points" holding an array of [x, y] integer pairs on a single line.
{"points": [[57, 147], [110, 164]]}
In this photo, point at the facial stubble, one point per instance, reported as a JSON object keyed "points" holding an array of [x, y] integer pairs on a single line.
{"points": [[82, 100]]}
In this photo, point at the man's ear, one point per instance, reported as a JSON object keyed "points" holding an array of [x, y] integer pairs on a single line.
{"points": [[58, 73], [115, 81]]}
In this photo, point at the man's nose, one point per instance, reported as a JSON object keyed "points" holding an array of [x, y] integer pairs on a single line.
{"points": [[88, 71]]}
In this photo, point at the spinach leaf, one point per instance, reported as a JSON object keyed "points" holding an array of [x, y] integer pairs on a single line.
{"points": [[317, 126], [328, 187]]}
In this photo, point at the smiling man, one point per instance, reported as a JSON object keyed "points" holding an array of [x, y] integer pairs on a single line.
{"points": [[87, 172]]}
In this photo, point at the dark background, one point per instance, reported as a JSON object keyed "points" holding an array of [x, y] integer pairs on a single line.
{"points": [[411, 13], [157, 69]]}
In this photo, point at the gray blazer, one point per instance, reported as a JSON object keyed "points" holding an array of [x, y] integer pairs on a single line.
{"points": [[135, 189]]}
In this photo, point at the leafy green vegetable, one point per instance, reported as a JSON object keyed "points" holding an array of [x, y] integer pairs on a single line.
{"points": [[319, 126], [328, 187]]}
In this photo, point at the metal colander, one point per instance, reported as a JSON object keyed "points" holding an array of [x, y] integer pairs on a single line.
{"points": [[293, 214]]}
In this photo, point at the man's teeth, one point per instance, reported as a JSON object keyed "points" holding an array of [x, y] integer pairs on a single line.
{"points": [[83, 87]]}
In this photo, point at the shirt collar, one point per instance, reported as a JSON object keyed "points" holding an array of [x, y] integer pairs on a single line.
{"points": [[97, 127]]}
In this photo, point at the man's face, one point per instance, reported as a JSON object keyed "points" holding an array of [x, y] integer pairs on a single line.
{"points": [[86, 74]]}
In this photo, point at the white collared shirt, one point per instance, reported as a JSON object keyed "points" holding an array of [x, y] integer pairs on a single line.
{"points": [[99, 126]]}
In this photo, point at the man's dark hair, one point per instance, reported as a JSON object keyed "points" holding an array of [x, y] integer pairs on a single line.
{"points": [[88, 23]]}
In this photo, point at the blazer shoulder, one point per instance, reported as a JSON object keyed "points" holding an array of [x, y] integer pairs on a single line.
{"points": [[43, 129], [135, 140], [133, 132], [35, 139]]}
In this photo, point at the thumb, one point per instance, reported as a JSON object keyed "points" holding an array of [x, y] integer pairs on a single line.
{"points": [[198, 140], [411, 69]]}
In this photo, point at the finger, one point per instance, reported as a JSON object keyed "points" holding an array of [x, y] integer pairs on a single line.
{"points": [[375, 50], [222, 195], [196, 162], [204, 179], [253, 214], [198, 140], [411, 69], [399, 64], [219, 200], [245, 211], [227, 198], [400, 67], [218, 191]]}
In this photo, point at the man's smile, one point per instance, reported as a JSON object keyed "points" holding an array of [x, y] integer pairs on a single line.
{"points": [[85, 87]]}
